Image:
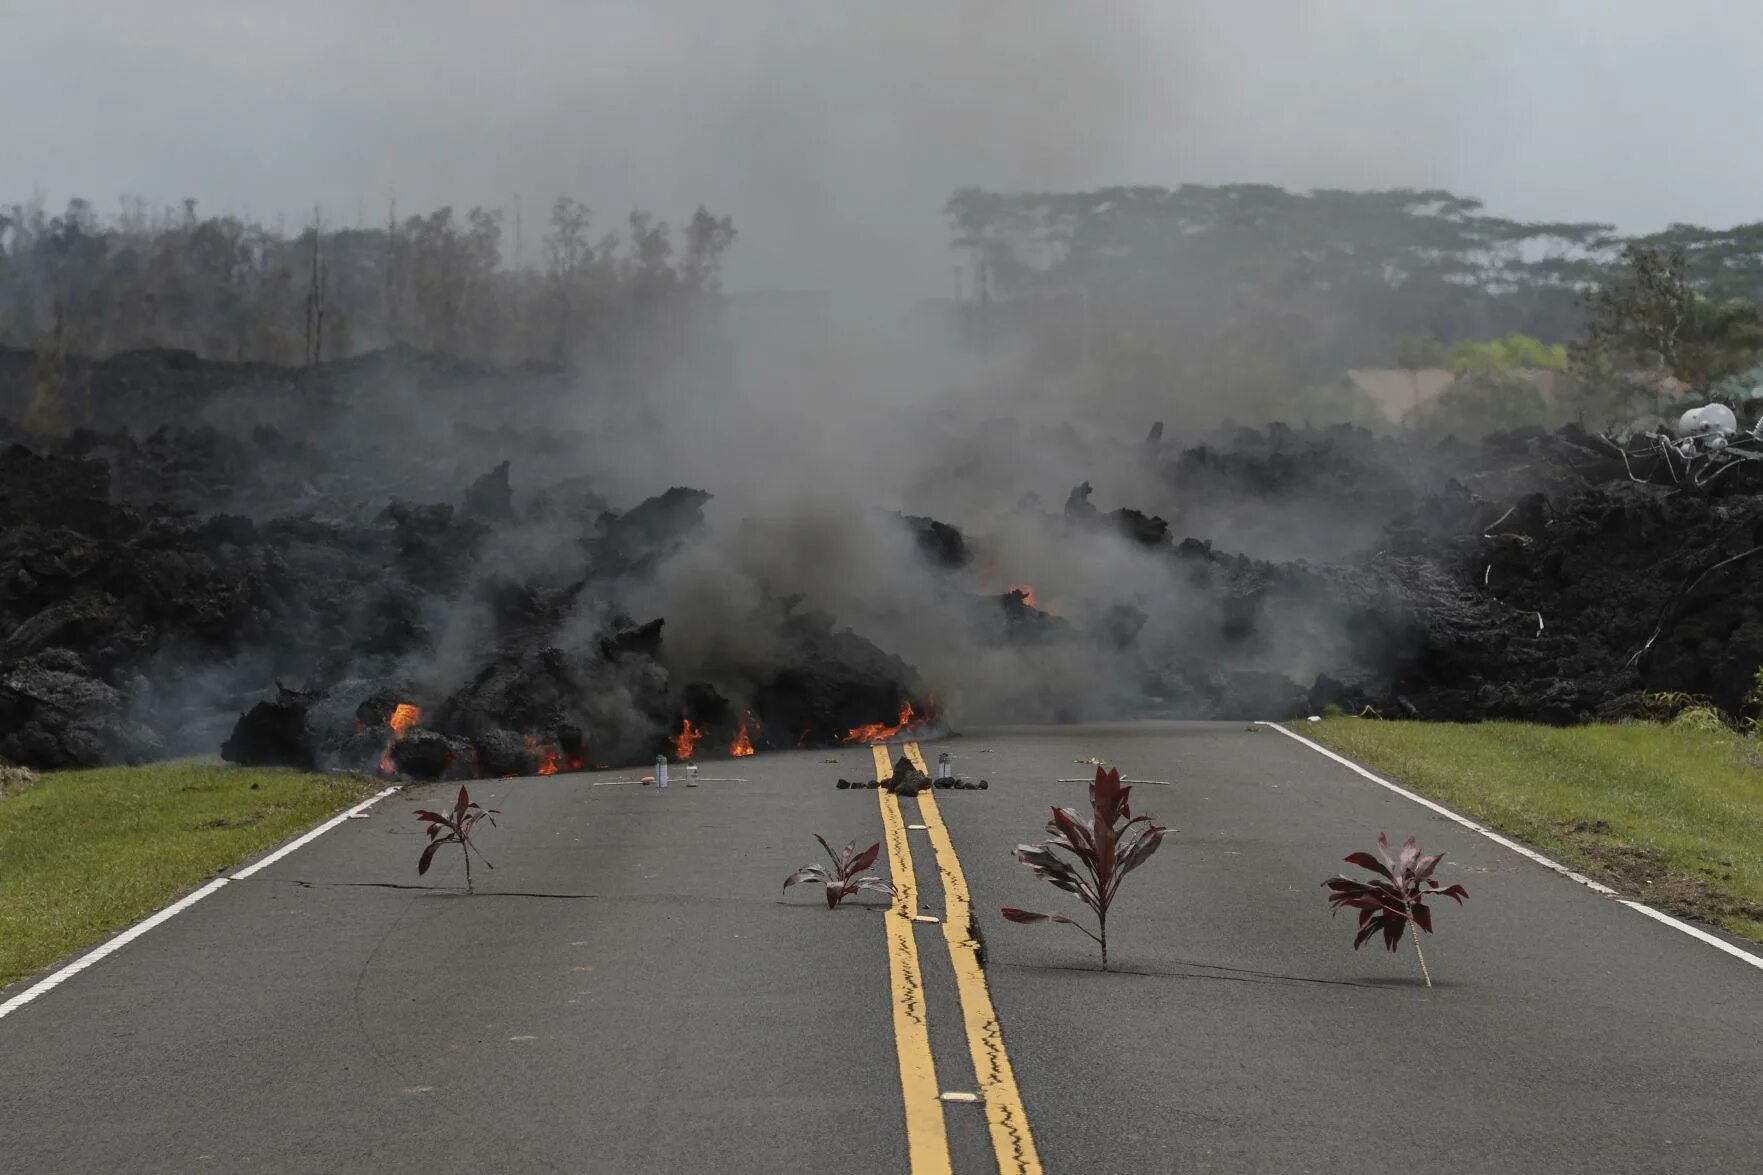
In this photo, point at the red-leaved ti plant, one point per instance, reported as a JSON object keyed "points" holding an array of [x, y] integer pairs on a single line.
{"points": [[844, 878], [457, 824], [1395, 897], [1106, 847]]}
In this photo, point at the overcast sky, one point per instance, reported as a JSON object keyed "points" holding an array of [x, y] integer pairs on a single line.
{"points": [[833, 130]]}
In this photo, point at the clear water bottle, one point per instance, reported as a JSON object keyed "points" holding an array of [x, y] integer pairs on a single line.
{"points": [[944, 770], [660, 770], [691, 775]]}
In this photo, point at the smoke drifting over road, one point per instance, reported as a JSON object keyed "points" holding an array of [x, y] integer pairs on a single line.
{"points": [[873, 472]]}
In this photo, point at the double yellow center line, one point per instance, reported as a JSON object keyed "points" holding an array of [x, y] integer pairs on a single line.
{"points": [[1007, 1123]]}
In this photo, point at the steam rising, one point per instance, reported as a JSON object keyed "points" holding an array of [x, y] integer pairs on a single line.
{"points": [[832, 133]]}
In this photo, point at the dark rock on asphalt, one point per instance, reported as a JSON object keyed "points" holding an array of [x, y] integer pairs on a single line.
{"points": [[149, 585]]}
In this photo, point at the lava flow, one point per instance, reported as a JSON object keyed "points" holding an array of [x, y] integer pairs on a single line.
{"points": [[876, 732], [551, 760], [546, 755], [404, 716], [686, 741]]}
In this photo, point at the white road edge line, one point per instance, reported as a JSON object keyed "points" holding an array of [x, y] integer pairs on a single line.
{"points": [[50, 982], [363, 806], [116, 944], [1692, 931]]}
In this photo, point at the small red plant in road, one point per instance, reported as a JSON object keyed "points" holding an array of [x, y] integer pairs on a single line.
{"points": [[457, 825], [1396, 897], [843, 879], [1106, 847]]}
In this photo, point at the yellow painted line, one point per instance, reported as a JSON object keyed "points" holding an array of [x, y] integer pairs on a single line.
{"points": [[927, 1142], [917, 757], [884, 766], [1006, 1118]]}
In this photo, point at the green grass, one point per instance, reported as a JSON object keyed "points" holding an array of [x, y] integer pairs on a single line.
{"points": [[1629, 804], [86, 853]]}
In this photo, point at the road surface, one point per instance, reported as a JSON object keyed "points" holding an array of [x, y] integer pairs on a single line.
{"points": [[630, 992]]}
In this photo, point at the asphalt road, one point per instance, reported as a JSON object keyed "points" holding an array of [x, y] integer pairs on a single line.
{"points": [[629, 992]]}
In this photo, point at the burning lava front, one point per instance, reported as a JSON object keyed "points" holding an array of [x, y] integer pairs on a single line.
{"points": [[549, 754], [881, 732], [404, 718], [551, 758]]}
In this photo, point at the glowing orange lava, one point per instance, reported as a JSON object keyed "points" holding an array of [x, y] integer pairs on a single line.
{"points": [[686, 741], [404, 716], [551, 760], [742, 746], [877, 732], [548, 756]]}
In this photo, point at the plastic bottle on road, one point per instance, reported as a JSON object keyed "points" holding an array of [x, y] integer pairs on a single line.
{"points": [[660, 770]]}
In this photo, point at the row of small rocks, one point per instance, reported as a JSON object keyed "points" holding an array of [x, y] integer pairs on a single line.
{"points": [[909, 781]]}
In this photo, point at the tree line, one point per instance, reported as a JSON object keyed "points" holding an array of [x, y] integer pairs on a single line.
{"points": [[79, 282], [1244, 293]]}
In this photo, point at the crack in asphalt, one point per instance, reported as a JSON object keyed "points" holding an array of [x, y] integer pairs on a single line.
{"points": [[906, 902], [1240, 974], [459, 1113]]}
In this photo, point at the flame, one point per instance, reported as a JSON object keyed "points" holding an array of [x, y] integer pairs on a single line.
{"points": [[1026, 593], [551, 759], [547, 755], [742, 746], [404, 716], [877, 732], [686, 741]]}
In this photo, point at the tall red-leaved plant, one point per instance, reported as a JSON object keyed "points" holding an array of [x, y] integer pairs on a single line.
{"points": [[1395, 896], [1104, 849]]}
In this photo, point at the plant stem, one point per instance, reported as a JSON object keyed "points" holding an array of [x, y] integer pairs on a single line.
{"points": [[467, 850], [1102, 921], [1414, 933]]}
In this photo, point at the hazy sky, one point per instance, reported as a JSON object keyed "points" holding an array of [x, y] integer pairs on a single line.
{"points": [[833, 130]]}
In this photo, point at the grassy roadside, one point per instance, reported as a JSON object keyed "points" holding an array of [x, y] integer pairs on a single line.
{"points": [[1671, 816], [86, 853]]}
